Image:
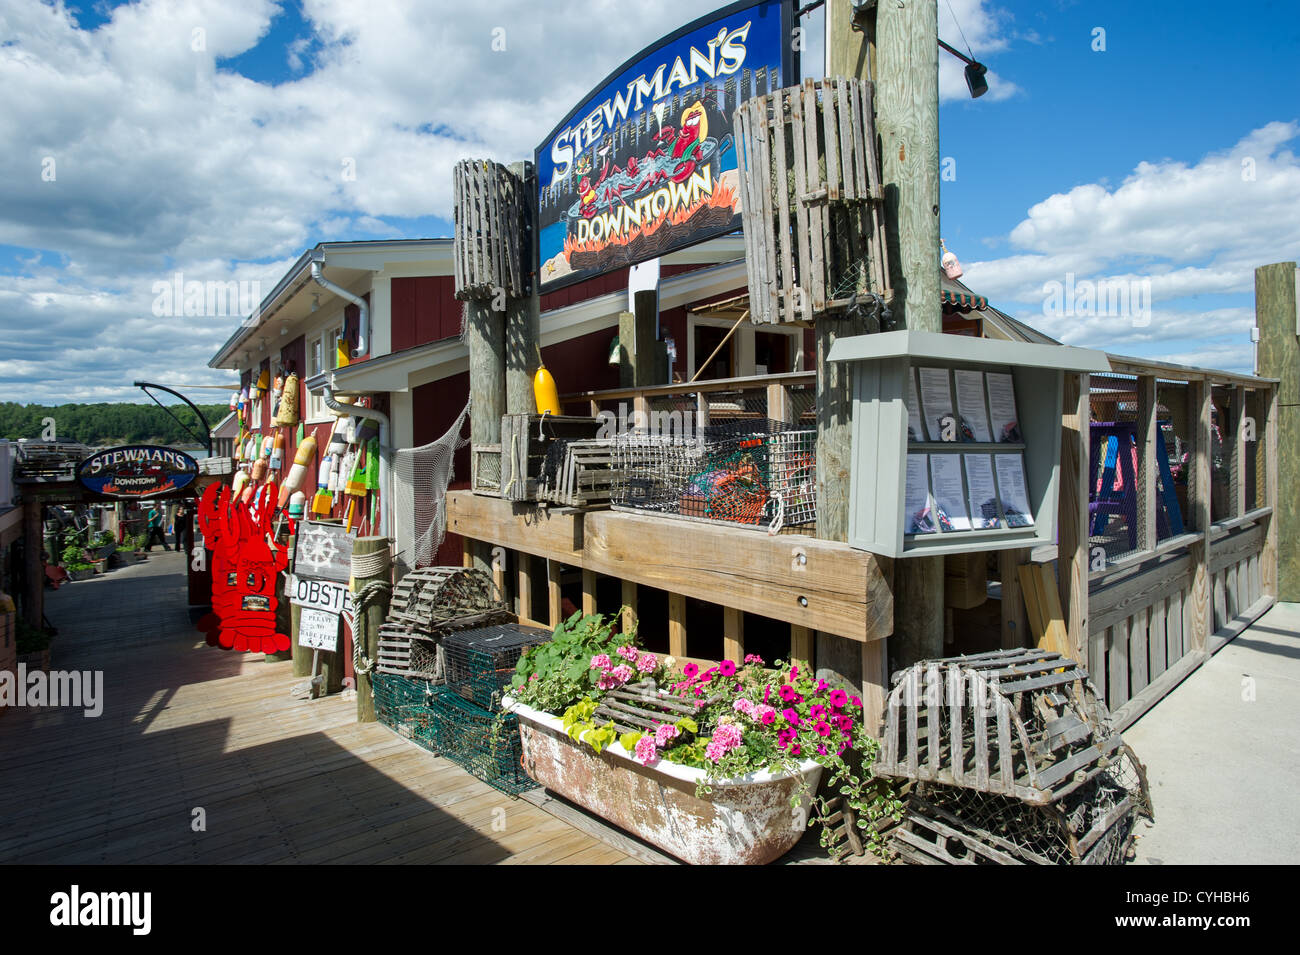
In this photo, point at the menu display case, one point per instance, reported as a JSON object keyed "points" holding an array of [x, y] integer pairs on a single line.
{"points": [[956, 440]]}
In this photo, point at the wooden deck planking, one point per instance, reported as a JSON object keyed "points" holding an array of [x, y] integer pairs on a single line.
{"points": [[281, 779]]}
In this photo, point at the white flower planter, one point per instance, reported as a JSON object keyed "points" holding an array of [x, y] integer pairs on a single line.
{"points": [[745, 821]]}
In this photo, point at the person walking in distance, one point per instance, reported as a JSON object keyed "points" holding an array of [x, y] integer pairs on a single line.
{"points": [[155, 519]]}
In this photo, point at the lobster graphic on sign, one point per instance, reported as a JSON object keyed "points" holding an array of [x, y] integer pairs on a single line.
{"points": [[245, 563]]}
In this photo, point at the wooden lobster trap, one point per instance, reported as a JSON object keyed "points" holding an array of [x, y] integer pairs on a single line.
{"points": [[578, 473], [428, 603], [810, 183], [492, 231], [1012, 760], [526, 440]]}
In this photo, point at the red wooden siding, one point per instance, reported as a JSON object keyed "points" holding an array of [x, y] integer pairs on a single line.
{"points": [[424, 309]]}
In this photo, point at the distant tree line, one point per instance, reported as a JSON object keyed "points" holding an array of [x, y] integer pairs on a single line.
{"points": [[107, 423]]}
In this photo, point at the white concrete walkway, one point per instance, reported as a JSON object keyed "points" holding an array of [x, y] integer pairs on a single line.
{"points": [[1223, 754]]}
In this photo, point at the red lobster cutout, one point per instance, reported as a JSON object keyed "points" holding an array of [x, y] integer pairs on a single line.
{"points": [[245, 562]]}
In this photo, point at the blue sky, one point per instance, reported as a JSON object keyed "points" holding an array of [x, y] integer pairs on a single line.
{"points": [[206, 135]]}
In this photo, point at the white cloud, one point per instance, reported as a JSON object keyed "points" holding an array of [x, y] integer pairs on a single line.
{"points": [[1184, 229], [162, 159]]}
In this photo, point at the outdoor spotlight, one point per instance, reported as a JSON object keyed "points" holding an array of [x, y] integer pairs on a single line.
{"points": [[975, 81]]}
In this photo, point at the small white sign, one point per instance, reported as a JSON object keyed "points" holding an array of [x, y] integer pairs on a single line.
{"points": [[318, 630], [317, 594]]}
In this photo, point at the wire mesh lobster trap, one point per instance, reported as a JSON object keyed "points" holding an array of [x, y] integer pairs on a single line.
{"points": [[1012, 761], [479, 664], [428, 603], [749, 472]]}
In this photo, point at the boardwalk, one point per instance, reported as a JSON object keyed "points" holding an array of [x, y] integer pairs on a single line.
{"points": [[278, 779]]}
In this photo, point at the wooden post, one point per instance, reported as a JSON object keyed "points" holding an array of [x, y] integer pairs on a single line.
{"points": [[733, 634], [801, 644], [553, 592], [1015, 622], [1146, 454], [523, 315], [677, 625], [588, 591], [1239, 451], [626, 349], [33, 572], [1072, 520], [629, 606], [485, 335], [1279, 357], [301, 655], [907, 112], [646, 312], [1200, 619], [836, 657], [1267, 482], [779, 406], [525, 586], [367, 623]]}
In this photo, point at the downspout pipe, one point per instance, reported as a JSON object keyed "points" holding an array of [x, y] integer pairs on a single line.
{"points": [[363, 332], [385, 451]]}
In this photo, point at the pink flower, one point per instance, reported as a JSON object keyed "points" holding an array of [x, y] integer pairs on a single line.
{"points": [[665, 734], [646, 752], [838, 698], [533, 677], [856, 702], [646, 663], [794, 671], [725, 738], [767, 691], [708, 674], [817, 711], [690, 670], [822, 728], [622, 673], [766, 715], [822, 686], [787, 693], [791, 716], [600, 662], [754, 658], [821, 750], [627, 652], [727, 668], [743, 705], [795, 750]]}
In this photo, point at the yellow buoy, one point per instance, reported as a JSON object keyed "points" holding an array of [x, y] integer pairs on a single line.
{"points": [[544, 390]]}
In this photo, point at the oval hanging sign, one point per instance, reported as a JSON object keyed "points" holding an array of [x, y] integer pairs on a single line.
{"points": [[137, 471]]}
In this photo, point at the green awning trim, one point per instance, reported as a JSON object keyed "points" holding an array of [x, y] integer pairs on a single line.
{"points": [[962, 300]]}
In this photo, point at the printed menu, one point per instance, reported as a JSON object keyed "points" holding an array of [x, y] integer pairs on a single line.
{"points": [[916, 496], [1015, 495], [970, 404], [936, 398], [945, 471], [1002, 407], [983, 492], [914, 430]]}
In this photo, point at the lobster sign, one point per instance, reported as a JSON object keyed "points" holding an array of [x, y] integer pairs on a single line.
{"points": [[245, 563]]}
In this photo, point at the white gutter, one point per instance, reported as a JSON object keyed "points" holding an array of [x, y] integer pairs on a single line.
{"points": [[385, 449], [363, 333]]}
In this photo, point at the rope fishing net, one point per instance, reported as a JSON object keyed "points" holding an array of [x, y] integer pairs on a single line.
{"points": [[420, 479]]}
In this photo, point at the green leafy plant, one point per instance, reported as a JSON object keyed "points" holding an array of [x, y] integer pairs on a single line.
{"points": [[556, 674], [74, 558]]}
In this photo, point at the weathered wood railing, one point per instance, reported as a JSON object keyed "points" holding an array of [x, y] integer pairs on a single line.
{"points": [[787, 397], [1159, 609]]}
